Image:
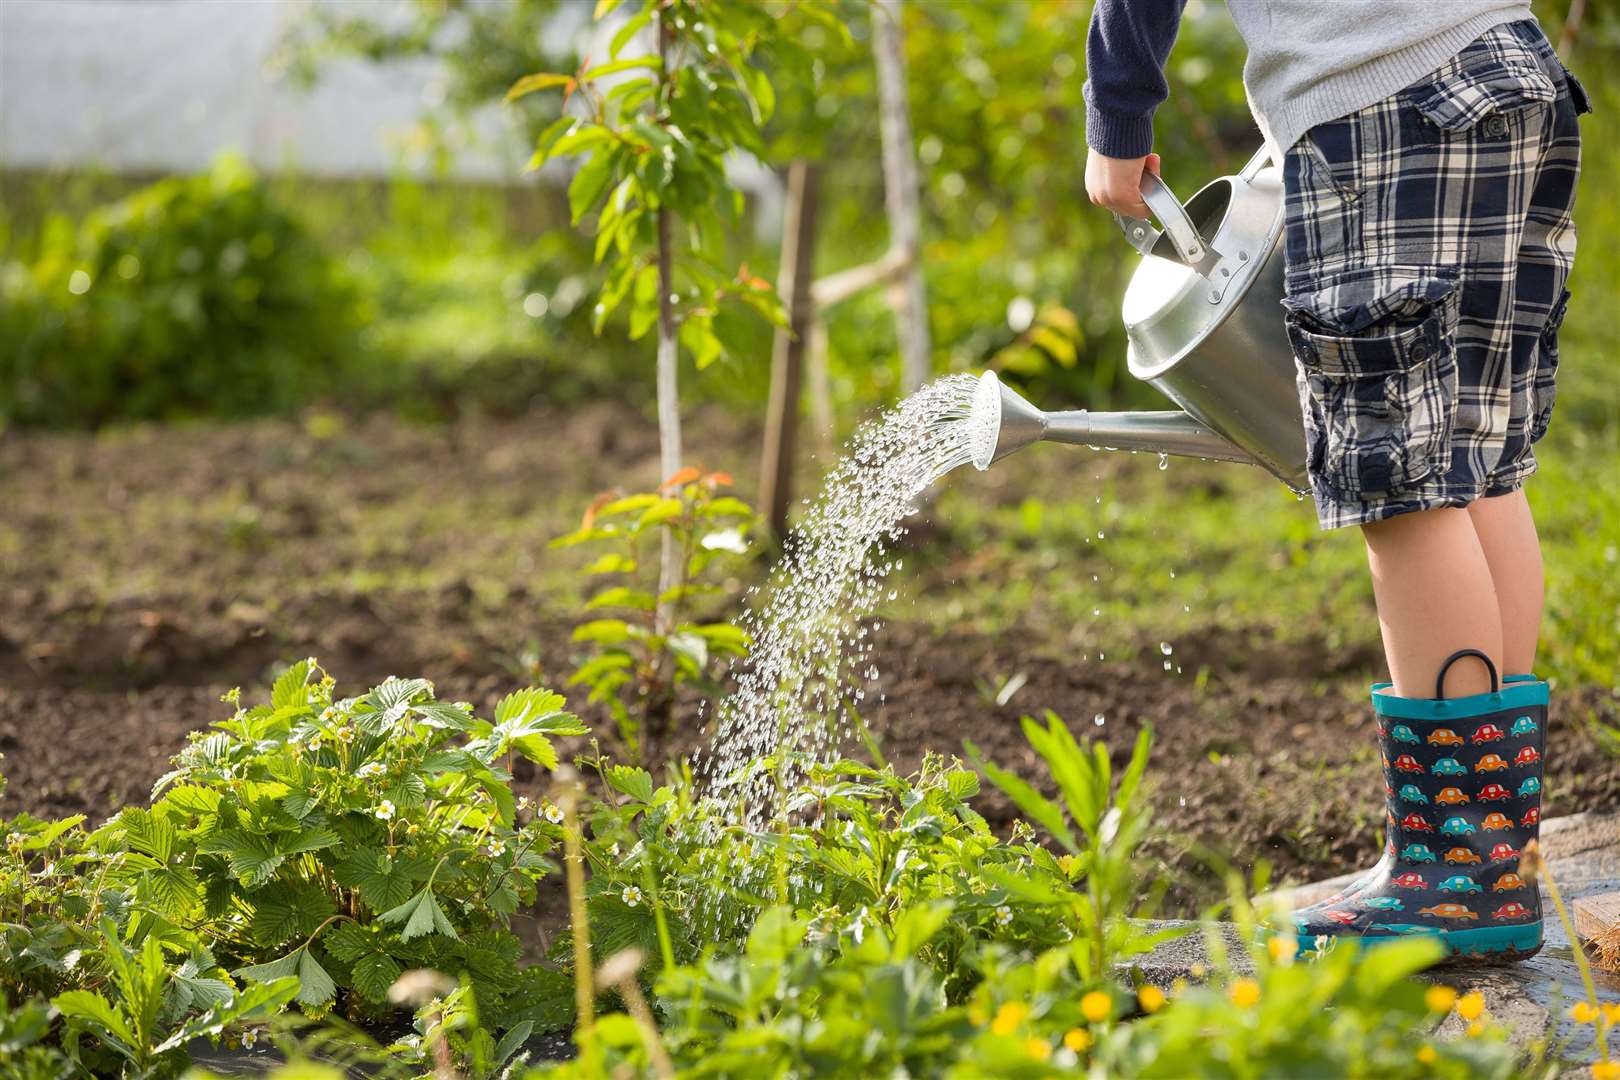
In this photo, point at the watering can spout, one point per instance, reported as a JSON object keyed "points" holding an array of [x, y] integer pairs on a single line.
{"points": [[1008, 423]]}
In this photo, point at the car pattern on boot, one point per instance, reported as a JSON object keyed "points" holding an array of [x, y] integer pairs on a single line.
{"points": [[1470, 882]]}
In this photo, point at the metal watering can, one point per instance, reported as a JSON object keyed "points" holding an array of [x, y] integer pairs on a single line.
{"points": [[1203, 314]]}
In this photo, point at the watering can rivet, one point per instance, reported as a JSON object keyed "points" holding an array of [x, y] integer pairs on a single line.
{"points": [[1215, 296], [1226, 271], [1243, 256]]}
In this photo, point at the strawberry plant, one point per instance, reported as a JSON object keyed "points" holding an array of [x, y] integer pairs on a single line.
{"points": [[340, 842], [640, 658]]}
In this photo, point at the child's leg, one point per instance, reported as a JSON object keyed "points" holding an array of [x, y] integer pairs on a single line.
{"points": [[1507, 532], [1432, 581]]}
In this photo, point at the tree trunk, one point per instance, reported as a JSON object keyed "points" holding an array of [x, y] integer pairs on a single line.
{"points": [[669, 401], [1572, 26], [821, 410], [900, 192], [787, 354]]}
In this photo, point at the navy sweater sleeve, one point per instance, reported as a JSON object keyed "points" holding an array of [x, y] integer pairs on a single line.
{"points": [[1126, 51]]}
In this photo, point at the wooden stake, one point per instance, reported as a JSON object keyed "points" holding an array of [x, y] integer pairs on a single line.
{"points": [[787, 354]]}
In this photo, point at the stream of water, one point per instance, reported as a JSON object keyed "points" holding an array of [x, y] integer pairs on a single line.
{"points": [[812, 631]]}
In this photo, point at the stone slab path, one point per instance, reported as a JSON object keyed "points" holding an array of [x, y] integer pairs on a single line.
{"points": [[1531, 997]]}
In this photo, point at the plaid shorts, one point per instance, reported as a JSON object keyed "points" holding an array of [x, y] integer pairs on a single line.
{"points": [[1428, 241]]}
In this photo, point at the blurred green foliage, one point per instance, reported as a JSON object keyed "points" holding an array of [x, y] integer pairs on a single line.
{"points": [[480, 298], [195, 295]]}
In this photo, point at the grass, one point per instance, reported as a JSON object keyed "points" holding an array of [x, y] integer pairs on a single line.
{"points": [[1109, 555]]}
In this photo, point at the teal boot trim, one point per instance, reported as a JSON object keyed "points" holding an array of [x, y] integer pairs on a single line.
{"points": [[1486, 941]]}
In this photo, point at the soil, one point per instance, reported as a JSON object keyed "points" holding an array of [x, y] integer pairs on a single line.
{"points": [[144, 574]]}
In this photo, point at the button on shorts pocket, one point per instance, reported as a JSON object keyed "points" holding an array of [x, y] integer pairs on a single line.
{"points": [[1544, 389], [1378, 376]]}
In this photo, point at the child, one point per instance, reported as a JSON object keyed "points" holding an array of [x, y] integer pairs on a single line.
{"points": [[1429, 157]]}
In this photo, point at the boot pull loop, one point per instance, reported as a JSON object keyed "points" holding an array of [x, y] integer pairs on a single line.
{"points": [[1440, 679]]}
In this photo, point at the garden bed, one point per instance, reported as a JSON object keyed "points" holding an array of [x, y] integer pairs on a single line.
{"points": [[146, 572]]}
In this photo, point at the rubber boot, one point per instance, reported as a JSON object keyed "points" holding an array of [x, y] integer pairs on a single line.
{"points": [[1465, 778], [1378, 873]]}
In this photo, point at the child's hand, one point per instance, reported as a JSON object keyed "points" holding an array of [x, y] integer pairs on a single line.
{"points": [[1116, 183]]}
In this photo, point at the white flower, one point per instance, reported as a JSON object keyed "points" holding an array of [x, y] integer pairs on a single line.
{"points": [[631, 895], [314, 743], [249, 1037], [370, 768], [345, 733], [497, 848], [1004, 915], [384, 811], [524, 802], [554, 813], [613, 851]]}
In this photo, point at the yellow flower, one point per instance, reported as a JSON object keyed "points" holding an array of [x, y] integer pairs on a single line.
{"points": [[1198, 971], [1244, 993], [1583, 1013], [1039, 1049], [1078, 1040], [1427, 1055], [1008, 1017], [1471, 1006], [1611, 1012], [1282, 949], [1151, 998], [1440, 999], [1606, 1070], [1096, 1006], [1476, 1029]]}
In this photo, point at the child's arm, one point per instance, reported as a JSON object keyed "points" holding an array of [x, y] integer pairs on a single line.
{"points": [[1126, 51]]}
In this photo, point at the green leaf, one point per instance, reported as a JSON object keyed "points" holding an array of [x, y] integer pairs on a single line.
{"points": [[291, 689], [373, 974], [538, 81], [539, 708], [193, 800], [634, 782], [315, 986], [613, 67], [722, 637], [253, 860], [288, 910], [52, 831], [663, 510], [628, 504], [632, 26], [383, 881], [94, 1011], [697, 334], [603, 631], [421, 915], [622, 596], [588, 184], [611, 563], [603, 7], [1027, 799]]}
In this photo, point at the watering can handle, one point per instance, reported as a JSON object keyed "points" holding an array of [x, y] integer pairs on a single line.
{"points": [[1167, 208]]}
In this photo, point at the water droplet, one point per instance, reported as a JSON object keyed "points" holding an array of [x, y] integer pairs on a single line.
{"points": [[1164, 647], [1099, 719]]}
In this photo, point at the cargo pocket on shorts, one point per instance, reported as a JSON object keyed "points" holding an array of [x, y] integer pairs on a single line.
{"points": [[1578, 97], [1544, 389], [1378, 377], [1487, 96]]}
